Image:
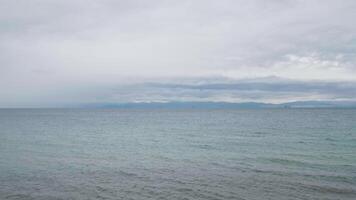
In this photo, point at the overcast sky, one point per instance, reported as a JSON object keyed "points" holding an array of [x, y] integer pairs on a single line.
{"points": [[68, 52]]}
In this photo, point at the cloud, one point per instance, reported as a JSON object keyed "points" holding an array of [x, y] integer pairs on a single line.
{"points": [[74, 45], [267, 89]]}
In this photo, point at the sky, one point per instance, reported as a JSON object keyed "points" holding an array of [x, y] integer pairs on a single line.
{"points": [[57, 53]]}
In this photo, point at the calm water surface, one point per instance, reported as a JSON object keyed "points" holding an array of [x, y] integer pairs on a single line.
{"points": [[178, 154]]}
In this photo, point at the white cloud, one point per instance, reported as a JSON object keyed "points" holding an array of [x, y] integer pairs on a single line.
{"points": [[63, 45]]}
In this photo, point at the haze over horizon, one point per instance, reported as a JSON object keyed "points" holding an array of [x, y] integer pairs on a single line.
{"points": [[70, 52]]}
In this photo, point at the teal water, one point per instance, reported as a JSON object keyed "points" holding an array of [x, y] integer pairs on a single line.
{"points": [[178, 154]]}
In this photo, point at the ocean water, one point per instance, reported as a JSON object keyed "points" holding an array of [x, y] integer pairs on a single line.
{"points": [[178, 154]]}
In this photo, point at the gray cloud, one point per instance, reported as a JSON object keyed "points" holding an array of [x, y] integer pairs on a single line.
{"points": [[75, 47], [269, 89]]}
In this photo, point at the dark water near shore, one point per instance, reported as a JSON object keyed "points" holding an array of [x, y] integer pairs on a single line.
{"points": [[178, 154]]}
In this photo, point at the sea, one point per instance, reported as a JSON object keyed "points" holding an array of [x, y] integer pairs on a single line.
{"points": [[187, 154]]}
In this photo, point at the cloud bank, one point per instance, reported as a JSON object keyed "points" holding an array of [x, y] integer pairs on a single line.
{"points": [[57, 53]]}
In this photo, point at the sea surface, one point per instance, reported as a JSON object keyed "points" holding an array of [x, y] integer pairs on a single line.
{"points": [[255, 154]]}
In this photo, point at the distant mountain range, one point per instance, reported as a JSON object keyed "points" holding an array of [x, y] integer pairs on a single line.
{"points": [[224, 105]]}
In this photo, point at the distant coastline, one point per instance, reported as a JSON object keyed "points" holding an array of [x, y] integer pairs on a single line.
{"points": [[223, 105]]}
